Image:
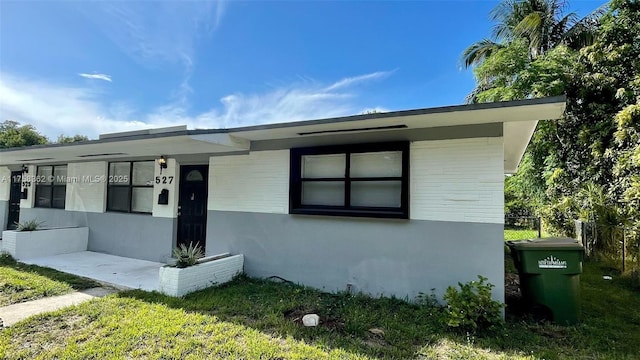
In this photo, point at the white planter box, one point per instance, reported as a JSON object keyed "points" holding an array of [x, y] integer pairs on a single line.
{"points": [[32, 244], [179, 282]]}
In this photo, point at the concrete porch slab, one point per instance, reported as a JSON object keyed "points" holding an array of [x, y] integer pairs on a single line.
{"points": [[119, 271]]}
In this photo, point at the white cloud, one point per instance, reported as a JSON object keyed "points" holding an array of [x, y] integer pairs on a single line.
{"points": [[158, 36], [104, 77], [221, 7], [346, 82], [56, 109], [153, 35]]}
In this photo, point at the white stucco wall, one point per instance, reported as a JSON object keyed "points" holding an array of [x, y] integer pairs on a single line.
{"points": [[257, 182], [458, 180], [87, 187]]}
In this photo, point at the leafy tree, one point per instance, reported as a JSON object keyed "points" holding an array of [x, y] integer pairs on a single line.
{"points": [[525, 30], [596, 145], [509, 74], [62, 139], [545, 25], [614, 72], [14, 135]]}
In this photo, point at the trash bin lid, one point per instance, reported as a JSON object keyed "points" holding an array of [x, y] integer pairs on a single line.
{"points": [[540, 244]]}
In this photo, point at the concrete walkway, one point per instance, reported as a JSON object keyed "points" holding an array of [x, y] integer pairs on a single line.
{"points": [[121, 272], [11, 314]]}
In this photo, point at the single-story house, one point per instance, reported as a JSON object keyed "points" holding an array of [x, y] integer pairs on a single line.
{"points": [[390, 203]]}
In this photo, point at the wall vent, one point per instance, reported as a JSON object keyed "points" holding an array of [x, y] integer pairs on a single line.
{"points": [[37, 159], [105, 154], [390, 127]]}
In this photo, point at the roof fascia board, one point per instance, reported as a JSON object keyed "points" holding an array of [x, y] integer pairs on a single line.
{"points": [[560, 100]]}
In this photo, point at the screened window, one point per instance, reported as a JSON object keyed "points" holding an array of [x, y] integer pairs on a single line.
{"points": [[354, 180], [130, 187], [51, 186]]}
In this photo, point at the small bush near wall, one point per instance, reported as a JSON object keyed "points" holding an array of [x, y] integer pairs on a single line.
{"points": [[187, 256], [31, 225], [471, 308]]}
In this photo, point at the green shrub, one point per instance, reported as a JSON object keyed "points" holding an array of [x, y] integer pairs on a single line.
{"points": [[6, 258], [30, 225], [187, 256], [471, 308]]}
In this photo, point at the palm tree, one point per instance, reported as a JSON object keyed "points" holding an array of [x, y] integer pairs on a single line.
{"points": [[541, 22]]}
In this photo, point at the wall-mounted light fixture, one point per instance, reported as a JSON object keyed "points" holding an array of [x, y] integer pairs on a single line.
{"points": [[162, 162], [163, 197], [25, 169]]}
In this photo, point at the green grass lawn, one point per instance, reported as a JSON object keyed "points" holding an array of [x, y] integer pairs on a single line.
{"points": [[253, 319], [20, 282], [520, 234]]}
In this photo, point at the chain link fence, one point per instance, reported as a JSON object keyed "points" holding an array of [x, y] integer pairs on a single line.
{"points": [[615, 243], [522, 227]]}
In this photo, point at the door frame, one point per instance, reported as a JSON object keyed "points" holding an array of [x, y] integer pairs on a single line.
{"points": [[184, 170], [14, 196]]}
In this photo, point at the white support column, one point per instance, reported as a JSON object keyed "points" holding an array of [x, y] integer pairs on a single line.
{"points": [[29, 183], [5, 183], [169, 180]]}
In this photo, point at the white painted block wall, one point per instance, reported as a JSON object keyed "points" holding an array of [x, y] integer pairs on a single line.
{"points": [[458, 180], [33, 244], [179, 282], [256, 182], [451, 180]]}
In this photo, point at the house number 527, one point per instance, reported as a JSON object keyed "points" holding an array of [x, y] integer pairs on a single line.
{"points": [[164, 179]]}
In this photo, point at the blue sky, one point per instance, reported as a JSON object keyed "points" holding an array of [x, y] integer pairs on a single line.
{"points": [[93, 67]]}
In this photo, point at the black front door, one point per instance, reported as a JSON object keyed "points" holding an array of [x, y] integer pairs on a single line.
{"points": [[14, 200], [192, 206]]}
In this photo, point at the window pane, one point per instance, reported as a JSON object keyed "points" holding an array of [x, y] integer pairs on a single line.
{"points": [[376, 164], [323, 166], [376, 193], [119, 173], [142, 200], [118, 198], [323, 193], [60, 174], [43, 196], [194, 175], [143, 173], [59, 193], [44, 174]]}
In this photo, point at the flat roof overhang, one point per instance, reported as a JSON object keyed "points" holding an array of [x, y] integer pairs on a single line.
{"points": [[518, 119], [133, 147]]}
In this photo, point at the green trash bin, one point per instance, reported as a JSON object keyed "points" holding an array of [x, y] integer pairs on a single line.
{"points": [[550, 275]]}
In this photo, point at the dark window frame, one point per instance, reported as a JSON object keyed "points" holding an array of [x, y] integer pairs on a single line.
{"points": [[39, 184], [128, 186], [296, 180]]}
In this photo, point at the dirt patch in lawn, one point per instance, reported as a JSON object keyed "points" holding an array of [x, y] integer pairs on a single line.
{"points": [[512, 286], [45, 333]]}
